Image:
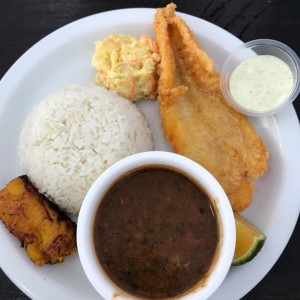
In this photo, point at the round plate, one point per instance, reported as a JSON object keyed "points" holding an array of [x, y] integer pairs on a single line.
{"points": [[64, 57]]}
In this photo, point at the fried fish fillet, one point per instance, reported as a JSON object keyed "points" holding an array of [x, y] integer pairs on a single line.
{"points": [[196, 119], [46, 233]]}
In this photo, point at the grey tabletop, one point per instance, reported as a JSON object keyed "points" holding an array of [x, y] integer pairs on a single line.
{"points": [[23, 23]]}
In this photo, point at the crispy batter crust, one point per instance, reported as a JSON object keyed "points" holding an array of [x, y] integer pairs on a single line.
{"points": [[46, 233], [197, 121]]}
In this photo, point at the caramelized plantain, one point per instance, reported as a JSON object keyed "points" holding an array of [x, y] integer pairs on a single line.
{"points": [[46, 233]]}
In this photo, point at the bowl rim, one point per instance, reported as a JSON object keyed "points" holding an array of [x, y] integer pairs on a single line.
{"points": [[224, 78], [87, 256]]}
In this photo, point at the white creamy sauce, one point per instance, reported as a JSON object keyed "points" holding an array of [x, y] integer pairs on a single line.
{"points": [[261, 83]]}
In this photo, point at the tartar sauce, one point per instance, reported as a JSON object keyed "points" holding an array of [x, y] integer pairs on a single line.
{"points": [[261, 83]]}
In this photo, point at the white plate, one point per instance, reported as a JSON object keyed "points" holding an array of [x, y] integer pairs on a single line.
{"points": [[64, 57]]}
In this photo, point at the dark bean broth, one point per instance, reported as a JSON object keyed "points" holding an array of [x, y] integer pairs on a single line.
{"points": [[156, 233]]}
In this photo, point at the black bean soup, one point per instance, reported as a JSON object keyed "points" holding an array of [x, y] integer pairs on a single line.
{"points": [[156, 233]]}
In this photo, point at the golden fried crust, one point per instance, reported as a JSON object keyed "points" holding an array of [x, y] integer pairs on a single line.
{"points": [[46, 233], [196, 119]]}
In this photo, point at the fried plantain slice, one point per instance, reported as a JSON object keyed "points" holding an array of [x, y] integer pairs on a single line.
{"points": [[46, 233]]}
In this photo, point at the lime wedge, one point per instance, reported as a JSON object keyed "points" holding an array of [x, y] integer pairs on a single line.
{"points": [[249, 241]]}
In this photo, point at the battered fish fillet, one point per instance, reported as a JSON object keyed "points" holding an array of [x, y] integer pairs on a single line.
{"points": [[196, 119], [46, 233]]}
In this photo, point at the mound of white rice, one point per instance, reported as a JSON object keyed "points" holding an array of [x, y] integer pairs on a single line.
{"points": [[73, 135]]}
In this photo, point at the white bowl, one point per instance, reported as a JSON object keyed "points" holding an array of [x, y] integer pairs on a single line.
{"points": [[105, 287]]}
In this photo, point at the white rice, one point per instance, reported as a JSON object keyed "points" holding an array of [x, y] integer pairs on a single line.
{"points": [[73, 135]]}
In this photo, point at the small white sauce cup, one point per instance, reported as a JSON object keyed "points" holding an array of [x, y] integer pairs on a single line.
{"points": [[249, 50], [104, 286]]}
